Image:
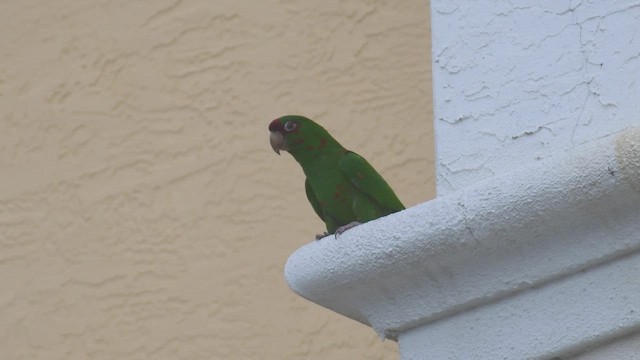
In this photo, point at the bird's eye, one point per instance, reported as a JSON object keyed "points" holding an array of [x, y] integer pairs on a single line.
{"points": [[289, 125]]}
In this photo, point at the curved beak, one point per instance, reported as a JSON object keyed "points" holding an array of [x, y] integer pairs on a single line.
{"points": [[277, 141]]}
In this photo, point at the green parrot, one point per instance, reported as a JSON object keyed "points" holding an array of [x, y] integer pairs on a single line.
{"points": [[343, 189]]}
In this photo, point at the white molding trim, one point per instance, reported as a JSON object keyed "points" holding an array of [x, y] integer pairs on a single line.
{"points": [[549, 250]]}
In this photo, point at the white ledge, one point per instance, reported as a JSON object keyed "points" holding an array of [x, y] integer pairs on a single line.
{"points": [[488, 243]]}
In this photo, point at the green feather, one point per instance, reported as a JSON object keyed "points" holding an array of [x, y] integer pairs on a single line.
{"points": [[341, 186], [370, 183], [313, 200]]}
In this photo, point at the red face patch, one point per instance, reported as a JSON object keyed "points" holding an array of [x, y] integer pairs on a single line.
{"points": [[275, 125]]}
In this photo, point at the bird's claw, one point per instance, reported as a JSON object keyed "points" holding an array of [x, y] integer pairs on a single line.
{"points": [[344, 228], [339, 231]]}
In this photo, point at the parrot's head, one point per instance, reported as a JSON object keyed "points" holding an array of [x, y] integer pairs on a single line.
{"points": [[297, 134]]}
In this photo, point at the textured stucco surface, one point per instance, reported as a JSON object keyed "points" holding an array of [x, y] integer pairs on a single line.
{"points": [[541, 261], [515, 83], [142, 211]]}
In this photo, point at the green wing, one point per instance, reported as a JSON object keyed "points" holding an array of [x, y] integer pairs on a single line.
{"points": [[313, 199], [367, 179]]}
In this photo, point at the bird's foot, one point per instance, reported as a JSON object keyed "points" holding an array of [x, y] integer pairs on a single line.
{"points": [[344, 228], [320, 236]]}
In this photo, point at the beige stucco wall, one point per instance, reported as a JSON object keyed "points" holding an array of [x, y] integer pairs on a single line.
{"points": [[143, 213]]}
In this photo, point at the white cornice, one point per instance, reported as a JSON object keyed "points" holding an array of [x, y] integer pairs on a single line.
{"points": [[479, 247]]}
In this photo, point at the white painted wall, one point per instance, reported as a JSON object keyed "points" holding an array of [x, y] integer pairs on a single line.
{"points": [[516, 81]]}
